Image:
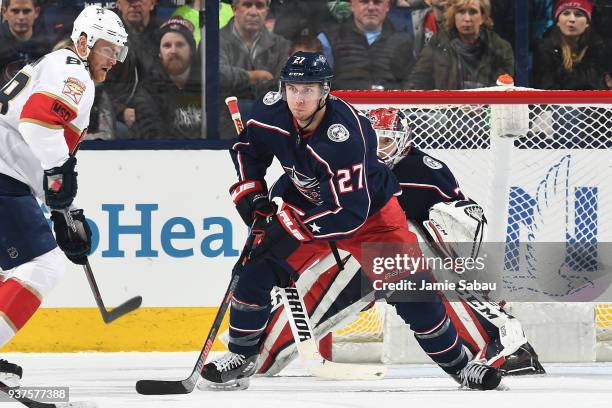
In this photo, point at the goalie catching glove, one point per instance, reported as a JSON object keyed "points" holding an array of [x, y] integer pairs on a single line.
{"points": [[279, 235], [251, 200], [457, 228], [75, 244]]}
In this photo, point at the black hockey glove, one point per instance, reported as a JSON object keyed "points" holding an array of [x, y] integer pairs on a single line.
{"points": [[279, 235], [60, 184], [75, 244], [251, 200]]}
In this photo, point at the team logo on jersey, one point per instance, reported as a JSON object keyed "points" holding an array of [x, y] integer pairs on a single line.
{"points": [[337, 133], [271, 98], [432, 163], [308, 186], [74, 89], [12, 252]]}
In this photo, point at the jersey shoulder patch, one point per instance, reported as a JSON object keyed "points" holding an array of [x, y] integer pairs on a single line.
{"points": [[338, 133], [272, 97], [432, 163]]}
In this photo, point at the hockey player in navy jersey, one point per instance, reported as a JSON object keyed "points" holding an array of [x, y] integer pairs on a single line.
{"points": [[335, 190], [430, 196], [44, 114]]}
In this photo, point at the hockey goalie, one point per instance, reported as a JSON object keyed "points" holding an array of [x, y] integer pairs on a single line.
{"points": [[442, 215]]}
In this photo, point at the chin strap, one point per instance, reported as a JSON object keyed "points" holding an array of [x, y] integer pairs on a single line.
{"points": [[301, 129]]}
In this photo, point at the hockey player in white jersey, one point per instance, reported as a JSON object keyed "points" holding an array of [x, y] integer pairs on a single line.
{"points": [[44, 114]]}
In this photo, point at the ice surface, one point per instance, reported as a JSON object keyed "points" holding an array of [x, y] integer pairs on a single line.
{"points": [[108, 379]]}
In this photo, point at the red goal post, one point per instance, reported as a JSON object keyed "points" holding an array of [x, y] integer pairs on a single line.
{"points": [[508, 148]]}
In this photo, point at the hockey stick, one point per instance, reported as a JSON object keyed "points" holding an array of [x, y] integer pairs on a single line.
{"points": [[17, 396], [232, 105], [108, 316], [163, 387], [309, 354]]}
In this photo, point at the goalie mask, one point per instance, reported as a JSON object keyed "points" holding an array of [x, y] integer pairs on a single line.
{"points": [[393, 132]]}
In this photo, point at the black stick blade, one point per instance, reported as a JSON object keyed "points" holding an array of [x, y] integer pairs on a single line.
{"points": [[123, 309], [160, 387]]}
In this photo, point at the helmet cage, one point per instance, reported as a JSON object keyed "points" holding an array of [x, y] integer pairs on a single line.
{"points": [[394, 146], [393, 133]]}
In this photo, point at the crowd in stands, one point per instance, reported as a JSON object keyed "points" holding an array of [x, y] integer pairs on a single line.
{"points": [[156, 92]]}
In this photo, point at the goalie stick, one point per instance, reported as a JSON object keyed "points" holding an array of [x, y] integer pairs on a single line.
{"points": [[163, 387], [306, 345], [121, 310], [13, 394]]}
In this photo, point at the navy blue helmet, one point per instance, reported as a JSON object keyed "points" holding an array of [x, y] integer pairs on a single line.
{"points": [[307, 67]]}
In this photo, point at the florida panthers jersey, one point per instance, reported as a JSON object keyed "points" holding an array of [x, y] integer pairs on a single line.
{"points": [[44, 111], [332, 178], [425, 181]]}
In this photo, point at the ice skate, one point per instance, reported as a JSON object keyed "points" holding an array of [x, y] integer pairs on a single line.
{"points": [[524, 361], [10, 374], [478, 376], [230, 372]]}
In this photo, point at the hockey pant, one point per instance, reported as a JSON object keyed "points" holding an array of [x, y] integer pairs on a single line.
{"points": [[251, 304]]}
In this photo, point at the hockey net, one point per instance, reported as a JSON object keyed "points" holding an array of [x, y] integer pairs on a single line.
{"points": [[517, 152]]}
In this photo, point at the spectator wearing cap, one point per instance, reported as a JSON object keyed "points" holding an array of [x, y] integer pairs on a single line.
{"points": [[466, 53], [366, 50], [571, 56], [168, 103], [21, 40], [250, 59]]}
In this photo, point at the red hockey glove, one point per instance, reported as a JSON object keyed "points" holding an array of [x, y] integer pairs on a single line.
{"points": [[280, 235], [251, 200]]}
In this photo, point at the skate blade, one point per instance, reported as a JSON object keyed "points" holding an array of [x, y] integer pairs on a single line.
{"points": [[77, 404], [234, 385], [500, 387]]}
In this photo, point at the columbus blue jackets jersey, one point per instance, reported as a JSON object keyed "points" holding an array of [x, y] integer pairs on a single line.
{"points": [[333, 177], [425, 181]]}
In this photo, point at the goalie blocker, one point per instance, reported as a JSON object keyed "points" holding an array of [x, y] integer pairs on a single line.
{"points": [[433, 202]]}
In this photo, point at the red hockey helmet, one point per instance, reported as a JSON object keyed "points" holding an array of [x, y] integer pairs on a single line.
{"points": [[393, 131]]}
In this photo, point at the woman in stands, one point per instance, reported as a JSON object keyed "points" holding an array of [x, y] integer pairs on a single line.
{"points": [[572, 56], [466, 54]]}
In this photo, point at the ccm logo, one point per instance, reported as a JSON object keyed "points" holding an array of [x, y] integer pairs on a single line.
{"points": [[290, 226]]}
